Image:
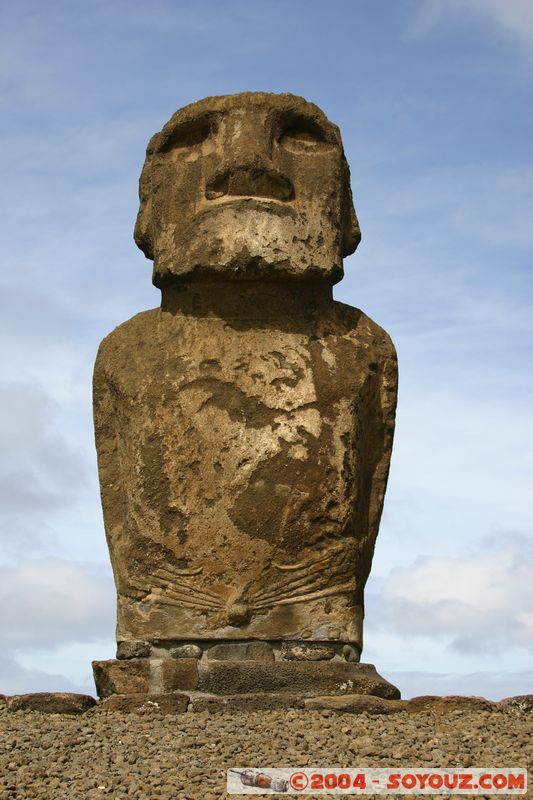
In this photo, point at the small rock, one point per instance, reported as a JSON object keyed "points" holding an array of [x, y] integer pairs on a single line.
{"points": [[366, 746], [134, 649], [186, 651], [523, 702], [290, 651], [351, 653]]}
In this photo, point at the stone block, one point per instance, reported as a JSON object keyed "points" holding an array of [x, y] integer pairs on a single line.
{"points": [[309, 678], [355, 704], [241, 651], [445, 704], [173, 703], [122, 677], [247, 702], [176, 674], [144, 676], [51, 702]]}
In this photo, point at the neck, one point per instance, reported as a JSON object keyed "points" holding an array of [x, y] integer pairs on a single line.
{"points": [[247, 300]]}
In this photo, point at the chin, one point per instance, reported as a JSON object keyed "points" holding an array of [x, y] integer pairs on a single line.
{"points": [[256, 245]]}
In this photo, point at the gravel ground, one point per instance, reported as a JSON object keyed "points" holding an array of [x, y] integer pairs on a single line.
{"points": [[147, 756]]}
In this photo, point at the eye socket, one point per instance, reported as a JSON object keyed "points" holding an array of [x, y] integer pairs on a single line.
{"points": [[302, 136], [189, 134]]}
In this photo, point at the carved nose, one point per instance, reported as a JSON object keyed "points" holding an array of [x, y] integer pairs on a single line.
{"points": [[244, 181]]}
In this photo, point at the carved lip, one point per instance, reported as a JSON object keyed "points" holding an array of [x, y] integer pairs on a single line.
{"points": [[270, 205]]}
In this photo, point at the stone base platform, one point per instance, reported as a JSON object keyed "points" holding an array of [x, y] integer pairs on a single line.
{"points": [[220, 685], [247, 675]]}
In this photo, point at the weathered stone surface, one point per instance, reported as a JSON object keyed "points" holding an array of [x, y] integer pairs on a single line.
{"points": [[522, 702], [174, 703], [145, 676], [448, 703], [359, 704], [290, 651], [244, 428], [269, 579], [186, 651], [247, 702], [356, 704], [241, 651], [135, 649], [351, 653], [174, 675], [51, 702], [122, 677], [245, 187], [310, 678]]}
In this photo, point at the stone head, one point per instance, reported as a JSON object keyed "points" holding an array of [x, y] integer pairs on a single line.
{"points": [[248, 186]]}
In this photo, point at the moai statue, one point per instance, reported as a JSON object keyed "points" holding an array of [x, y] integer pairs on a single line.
{"points": [[244, 428]]}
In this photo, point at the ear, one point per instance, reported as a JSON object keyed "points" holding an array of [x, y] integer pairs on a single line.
{"points": [[142, 233], [351, 233], [143, 225]]}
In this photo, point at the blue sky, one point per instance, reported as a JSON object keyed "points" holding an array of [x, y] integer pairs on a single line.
{"points": [[433, 99]]}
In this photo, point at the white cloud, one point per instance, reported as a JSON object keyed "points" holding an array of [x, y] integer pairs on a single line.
{"points": [[40, 472], [53, 601], [15, 678], [512, 16], [444, 268], [480, 603], [509, 17], [71, 661]]}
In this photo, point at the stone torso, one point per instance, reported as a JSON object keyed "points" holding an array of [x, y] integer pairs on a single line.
{"points": [[244, 473]]}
